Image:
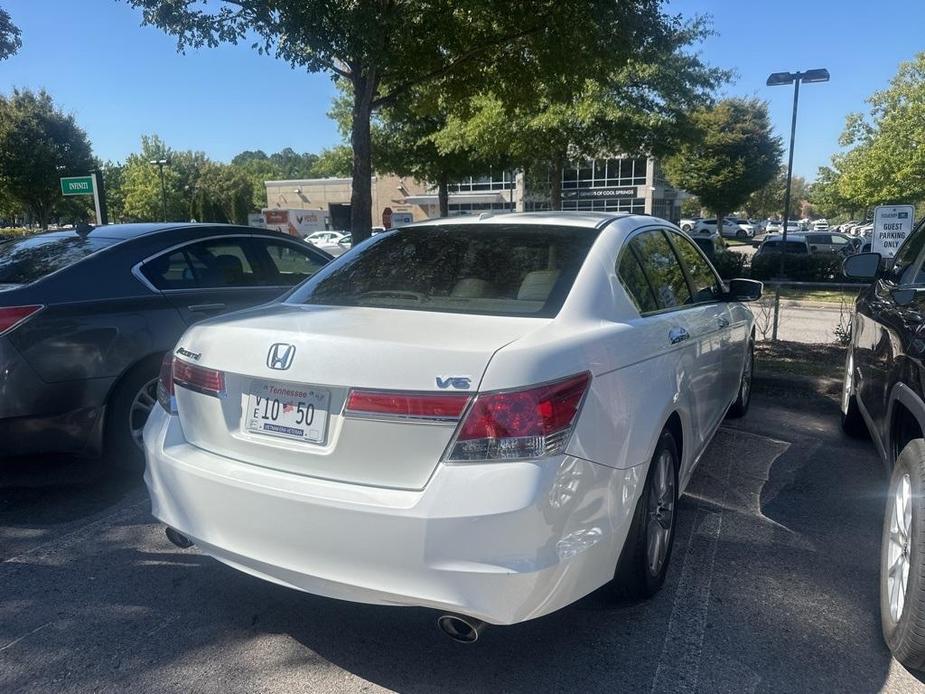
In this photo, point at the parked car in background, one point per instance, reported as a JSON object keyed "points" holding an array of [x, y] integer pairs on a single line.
{"points": [[820, 225], [730, 228], [324, 239], [688, 224], [341, 247], [774, 243], [829, 242], [773, 226], [449, 404], [882, 396], [85, 320]]}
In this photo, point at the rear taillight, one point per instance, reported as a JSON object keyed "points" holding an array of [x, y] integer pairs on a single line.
{"points": [[436, 406], [165, 385], [198, 378], [11, 316], [520, 425]]}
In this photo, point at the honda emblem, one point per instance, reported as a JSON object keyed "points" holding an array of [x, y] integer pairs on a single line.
{"points": [[280, 356]]}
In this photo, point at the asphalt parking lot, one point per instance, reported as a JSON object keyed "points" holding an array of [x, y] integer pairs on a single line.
{"points": [[772, 588]]}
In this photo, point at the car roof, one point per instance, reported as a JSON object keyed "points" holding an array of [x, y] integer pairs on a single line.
{"points": [[126, 232], [589, 220], [790, 237]]}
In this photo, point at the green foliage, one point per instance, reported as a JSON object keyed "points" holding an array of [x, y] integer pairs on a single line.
{"points": [[730, 265], [733, 154], [10, 36], [690, 206], [822, 267], [385, 50], [333, 162], [38, 145], [768, 201]]}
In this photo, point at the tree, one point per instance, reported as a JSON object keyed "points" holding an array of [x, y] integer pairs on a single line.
{"points": [[639, 102], [385, 49], [38, 145], [733, 155], [141, 187], [10, 36], [885, 162], [768, 201], [333, 162], [224, 194]]}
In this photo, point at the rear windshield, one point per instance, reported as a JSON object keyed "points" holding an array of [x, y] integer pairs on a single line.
{"points": [[496, 270], [792, 246], [29, 259]]}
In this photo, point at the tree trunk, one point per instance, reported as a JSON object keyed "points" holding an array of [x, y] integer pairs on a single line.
{"points": [[555, 184], [361, 199], [443, 193]]}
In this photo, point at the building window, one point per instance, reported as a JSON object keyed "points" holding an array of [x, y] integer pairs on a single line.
{"points": [[502, 180], [605, 173], [457, 209], [634, 205]]}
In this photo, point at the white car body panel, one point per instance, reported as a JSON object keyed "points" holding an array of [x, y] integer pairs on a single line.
{"points": [[373, 515]]}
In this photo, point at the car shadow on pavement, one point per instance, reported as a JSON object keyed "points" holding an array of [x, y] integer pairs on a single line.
{"points": [[772, 587]]}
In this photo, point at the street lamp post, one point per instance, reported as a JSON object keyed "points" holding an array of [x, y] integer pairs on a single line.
{"points": [[160, 164], [778, 79]]}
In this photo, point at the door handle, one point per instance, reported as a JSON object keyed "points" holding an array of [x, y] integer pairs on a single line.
{"points": [[723, 322], [206, 308], [677, 335]]}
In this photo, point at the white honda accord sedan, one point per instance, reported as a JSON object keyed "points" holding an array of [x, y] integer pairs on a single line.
{"points": [[488, 417]]}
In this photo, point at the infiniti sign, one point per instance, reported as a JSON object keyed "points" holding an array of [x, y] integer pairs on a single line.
{"points": [[280, 356]]}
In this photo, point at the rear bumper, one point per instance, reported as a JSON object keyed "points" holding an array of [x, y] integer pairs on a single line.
{"points": [[501, 542], [39, 417]]}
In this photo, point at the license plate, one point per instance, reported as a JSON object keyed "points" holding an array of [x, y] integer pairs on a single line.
{"points": [[287, 411]]}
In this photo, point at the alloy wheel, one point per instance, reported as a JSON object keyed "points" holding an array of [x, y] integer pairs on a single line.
{"points": [[140, 408], [660, 523], [899, 548], [746, 387]]}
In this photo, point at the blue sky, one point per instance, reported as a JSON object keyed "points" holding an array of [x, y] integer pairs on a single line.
{"points": [[122, 80]]}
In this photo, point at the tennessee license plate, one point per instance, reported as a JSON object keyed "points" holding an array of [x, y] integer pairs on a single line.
{"points": [[287, 411]]}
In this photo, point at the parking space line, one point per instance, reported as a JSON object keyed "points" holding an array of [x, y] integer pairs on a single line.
{"points": [[678, 667], [15, 641]]}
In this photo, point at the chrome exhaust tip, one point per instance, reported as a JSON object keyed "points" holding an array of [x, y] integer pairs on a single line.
{"points": [[461, 629], [178, 539]]}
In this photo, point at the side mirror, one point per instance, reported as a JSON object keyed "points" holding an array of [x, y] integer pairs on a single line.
{"points": [[744, 290], [863, 266]]}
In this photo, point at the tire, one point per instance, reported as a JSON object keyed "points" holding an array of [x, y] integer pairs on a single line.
{"points": [[852, 422], [741, 234], [902, 556], [739, 408], [635, 577], [125, 415], [686, 228]]}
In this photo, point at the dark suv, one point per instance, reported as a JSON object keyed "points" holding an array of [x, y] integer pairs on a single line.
{"points": [[884, 395]]}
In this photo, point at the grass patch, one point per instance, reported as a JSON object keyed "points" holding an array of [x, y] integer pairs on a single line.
{"points": [[829, 296], [800, 359], [737, 242]]}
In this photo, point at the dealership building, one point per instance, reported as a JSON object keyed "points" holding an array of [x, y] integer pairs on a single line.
{"points": [[620, 184]]}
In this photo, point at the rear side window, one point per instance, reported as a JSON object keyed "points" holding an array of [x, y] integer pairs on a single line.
{"points": [[662, 269], [287, 265], [29, 259], [208, 264], [507, 270]]}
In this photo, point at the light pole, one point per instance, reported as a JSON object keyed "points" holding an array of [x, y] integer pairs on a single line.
{"points": [[160, 164], [779, 79]]}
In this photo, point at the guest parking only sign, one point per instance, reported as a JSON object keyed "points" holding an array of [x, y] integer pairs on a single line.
{"points": [[892, 224]]}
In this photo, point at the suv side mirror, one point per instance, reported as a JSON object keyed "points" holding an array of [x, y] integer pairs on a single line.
{"points": [[863, 266], [744, 290]]}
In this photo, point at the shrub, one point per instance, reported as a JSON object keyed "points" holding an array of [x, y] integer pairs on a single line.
{"points": [[799, 268], [730, 265]]}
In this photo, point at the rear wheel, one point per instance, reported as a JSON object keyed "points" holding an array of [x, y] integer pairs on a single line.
{"points": [[740, 407], [643, 562], [741, 234], [852, 422], [902, 559], [127, 411]]}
